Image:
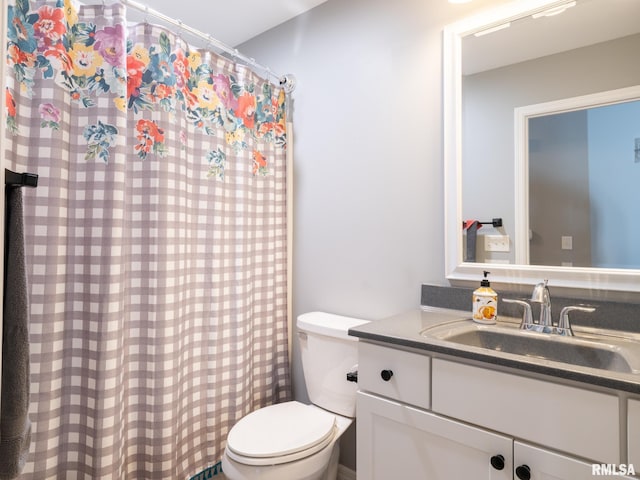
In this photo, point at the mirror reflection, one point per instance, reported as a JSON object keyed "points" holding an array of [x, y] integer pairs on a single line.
{"points": [[572, 216], [584, 168]]}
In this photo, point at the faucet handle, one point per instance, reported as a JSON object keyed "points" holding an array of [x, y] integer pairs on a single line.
{"points": [[564, 327], [527, 317]]}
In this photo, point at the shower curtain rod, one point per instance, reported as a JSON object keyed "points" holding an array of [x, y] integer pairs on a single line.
{"points": [[286, 81]]}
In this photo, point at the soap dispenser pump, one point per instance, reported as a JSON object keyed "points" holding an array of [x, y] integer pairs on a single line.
{"points": [[485, 302]]}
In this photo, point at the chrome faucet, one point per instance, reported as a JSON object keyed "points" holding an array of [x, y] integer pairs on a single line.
{"points": [[542, 296]]}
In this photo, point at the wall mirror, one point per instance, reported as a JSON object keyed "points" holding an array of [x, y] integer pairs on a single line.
{"points": [[509, 73]]}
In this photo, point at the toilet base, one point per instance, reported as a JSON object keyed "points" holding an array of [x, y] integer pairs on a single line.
{"points": [[320, 466]]}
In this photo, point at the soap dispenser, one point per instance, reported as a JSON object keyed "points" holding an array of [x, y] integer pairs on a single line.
{"points": [[485, 302]]}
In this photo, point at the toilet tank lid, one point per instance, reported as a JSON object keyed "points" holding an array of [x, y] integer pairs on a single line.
{"points": [[328, 324]]}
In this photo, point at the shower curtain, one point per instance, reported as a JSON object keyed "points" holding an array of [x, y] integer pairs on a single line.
{"points": [[156, 241]]}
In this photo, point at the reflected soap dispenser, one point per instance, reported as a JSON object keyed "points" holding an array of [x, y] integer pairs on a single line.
{"points": [[485, 302]]}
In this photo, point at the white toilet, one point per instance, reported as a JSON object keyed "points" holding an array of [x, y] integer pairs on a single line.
{"points": [[292, 440]]}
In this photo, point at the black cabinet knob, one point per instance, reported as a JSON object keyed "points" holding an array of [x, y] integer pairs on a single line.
{"points": [[497, 462], [386, 375], [523, 472]]}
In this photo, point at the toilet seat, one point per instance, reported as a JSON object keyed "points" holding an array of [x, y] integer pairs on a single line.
{"points": [[280, 433]]}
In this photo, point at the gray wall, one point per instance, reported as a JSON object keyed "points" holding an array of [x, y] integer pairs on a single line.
{"points": [[368, 179]]}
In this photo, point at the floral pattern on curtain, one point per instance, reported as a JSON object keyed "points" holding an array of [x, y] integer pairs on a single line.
{"points": [[89, 62], [156, 241]]}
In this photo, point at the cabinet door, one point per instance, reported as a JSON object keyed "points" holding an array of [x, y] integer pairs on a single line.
{"points": [[546, 465], [396, 441]]}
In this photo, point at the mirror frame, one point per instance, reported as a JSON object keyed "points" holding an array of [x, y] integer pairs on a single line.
{"points": [[455, 268]]}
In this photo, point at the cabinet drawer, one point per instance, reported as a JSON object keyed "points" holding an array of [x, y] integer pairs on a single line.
{"points": [[633, 432], [558, 416], [409, 379]]}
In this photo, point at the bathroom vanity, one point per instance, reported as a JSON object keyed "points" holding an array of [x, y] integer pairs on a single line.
{"points": [[431, 408]]}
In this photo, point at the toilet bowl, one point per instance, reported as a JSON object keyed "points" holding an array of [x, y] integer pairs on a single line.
{"points": [[291, 440], [285, 441]]}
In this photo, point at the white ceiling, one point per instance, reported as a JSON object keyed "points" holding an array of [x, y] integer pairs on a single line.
{"points": [[231, 22]]}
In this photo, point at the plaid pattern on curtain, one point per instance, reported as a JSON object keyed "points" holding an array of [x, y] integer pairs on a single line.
{"points": [[156, 242]]}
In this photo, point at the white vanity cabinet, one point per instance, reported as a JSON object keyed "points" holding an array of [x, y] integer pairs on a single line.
{"points": [[479, 423], [633, 432]]}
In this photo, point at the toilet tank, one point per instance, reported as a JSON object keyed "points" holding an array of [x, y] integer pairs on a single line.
{"points": [[328, 353]]}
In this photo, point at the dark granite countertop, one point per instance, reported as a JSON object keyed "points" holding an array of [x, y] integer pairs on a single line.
{"points": [[404, 330]]}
